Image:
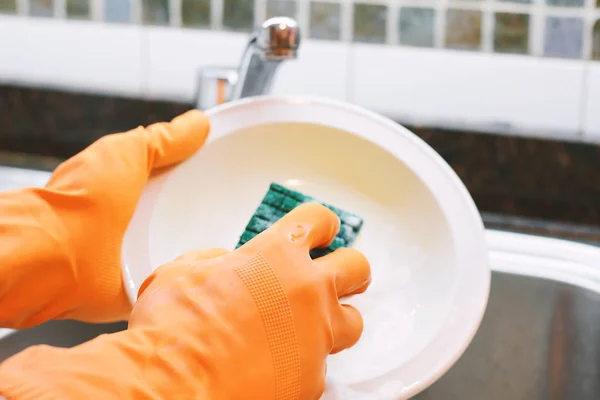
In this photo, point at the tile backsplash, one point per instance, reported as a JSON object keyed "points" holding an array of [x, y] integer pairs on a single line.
{"points": [[117, 11], [511, 33], [325, 19], [416, 26], [195, 13], [549, 28], [78, 9], [238, 15], [8, 6]]}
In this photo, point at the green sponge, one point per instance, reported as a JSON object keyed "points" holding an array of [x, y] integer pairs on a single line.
{"points": [[279, 201]]}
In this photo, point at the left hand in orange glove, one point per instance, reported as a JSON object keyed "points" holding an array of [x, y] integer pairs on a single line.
{"points": [[60, 253]]}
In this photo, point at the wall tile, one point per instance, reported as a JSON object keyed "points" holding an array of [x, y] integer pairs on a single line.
{"points": [[281, 8], [78, 9], [563, 37], [566, 3], [155, 12], [463, 29], [117, 11], [195, 13], [370, 23], [511, 33], [416, 26], [41, 8], [596, 41], [238, 15], [325, 20], [8, 6]]}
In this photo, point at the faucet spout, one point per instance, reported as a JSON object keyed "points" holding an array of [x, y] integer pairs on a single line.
{"points": [[277, 40]]}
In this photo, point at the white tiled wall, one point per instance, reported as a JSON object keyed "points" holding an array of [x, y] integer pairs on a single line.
{"points": [[481, 89], [495, 93], [75, 55]]}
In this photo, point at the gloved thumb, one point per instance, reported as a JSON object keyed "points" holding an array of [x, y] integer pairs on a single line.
{"points": [[175, 141]]}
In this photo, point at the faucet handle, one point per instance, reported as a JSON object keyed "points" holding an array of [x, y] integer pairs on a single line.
{"points": [[279, 38]]}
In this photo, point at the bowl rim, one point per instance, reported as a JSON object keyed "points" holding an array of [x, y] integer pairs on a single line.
{"points": [[462, 216]]}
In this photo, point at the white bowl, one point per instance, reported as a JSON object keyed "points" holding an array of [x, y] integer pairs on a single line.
{"points": [[422, 232]]}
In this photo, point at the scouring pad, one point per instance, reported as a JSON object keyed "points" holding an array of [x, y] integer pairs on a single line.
{"points": [[280, 200]]}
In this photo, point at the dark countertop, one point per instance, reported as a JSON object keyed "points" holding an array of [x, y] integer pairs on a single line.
{"points": [[539, 186], [574, 232], [503, 222]]}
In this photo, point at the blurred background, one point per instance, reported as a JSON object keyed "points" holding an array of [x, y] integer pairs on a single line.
{"points": [[507, 91]]}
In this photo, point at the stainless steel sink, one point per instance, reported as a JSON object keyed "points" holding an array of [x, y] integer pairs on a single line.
{"points": [[55, 333], [539, 339]]}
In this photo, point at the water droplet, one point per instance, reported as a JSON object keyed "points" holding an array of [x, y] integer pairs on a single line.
{"points": [[297, 233]]}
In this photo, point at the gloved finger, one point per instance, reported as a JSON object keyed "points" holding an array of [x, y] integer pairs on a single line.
{"points": [[175, 141], [196, 255], [347, 328], [310, 224], [349, 268]]}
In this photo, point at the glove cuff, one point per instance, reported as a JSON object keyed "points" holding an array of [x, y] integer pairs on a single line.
{"points": [[37, 265], [112, 366]]}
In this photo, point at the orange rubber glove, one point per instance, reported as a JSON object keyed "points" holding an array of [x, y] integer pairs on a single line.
{"points": [[60, 252], [256, 323]]}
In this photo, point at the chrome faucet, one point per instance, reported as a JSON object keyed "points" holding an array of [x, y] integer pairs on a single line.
{"points": [[275, 41]]}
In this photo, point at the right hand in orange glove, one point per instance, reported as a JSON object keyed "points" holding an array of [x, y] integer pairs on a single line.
{"points": [[255, 323]]}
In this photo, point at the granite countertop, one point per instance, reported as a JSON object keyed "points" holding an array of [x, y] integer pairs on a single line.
{"points": [[538, 186]]}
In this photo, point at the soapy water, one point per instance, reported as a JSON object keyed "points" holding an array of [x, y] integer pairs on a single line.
{"points": [[388, 312]]}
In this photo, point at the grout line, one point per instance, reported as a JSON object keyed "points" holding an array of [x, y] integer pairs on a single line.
{"points": [[346, 20], [392, 31], [175, 13], [260, 12], [216, 14], [487, 26], [439, 34], [136, 11], [537, 23], [303, 17], [588, 29], [97, 10], [22, 7], [60, 9]]}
